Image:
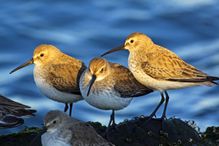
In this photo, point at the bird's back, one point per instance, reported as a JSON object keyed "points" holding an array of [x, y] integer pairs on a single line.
{"points": [[125, 82], [85, 135]]}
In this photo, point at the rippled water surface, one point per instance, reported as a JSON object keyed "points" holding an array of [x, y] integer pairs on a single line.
{"points": [[85, 29]]}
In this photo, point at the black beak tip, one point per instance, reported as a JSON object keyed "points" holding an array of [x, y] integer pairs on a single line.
{"points": [[102, 54], [113, 50], [23, 65], [11, 72], [91, 84]]}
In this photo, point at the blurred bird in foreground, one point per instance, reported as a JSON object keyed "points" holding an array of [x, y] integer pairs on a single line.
{"points": [[56, 74], [109, 86], [62, 130], [11, 112], [160, 69]]}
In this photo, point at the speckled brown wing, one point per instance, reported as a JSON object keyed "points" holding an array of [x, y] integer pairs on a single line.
{"points": [[125, 83], [65, 76], [165, 65]]}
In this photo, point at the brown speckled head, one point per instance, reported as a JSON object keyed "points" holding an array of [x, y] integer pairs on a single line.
{"points": [[134, 42], [137, 40], [98, 67], [45, 53]]}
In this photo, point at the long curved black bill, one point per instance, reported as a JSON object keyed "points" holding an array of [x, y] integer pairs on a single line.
{"points": [[29, 62], [91, 84], [113, 50]]}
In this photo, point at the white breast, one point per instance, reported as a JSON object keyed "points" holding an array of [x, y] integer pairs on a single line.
{"points": [[107, 101], [52, 139], [52, 92], [103, 99]]}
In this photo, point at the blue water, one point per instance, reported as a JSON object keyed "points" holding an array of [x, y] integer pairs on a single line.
{"points": [[85, 29]]}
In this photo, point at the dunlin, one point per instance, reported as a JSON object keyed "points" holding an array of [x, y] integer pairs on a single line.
{"points": [[109, 86], [160, 69], [62, 130], [11, 112], [56, 74]]}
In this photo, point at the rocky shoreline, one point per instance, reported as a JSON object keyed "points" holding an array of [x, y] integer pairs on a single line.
{"points": [[171, 132]]}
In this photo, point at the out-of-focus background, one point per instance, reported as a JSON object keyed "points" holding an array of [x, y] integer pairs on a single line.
{"points": [[85, 29]]}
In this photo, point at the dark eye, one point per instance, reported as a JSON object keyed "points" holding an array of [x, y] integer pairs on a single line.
{"points": [[54, 122], [41, 55], [132, 41], [101, 70]]}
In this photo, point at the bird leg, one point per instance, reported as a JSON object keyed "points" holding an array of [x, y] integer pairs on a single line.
{"points": [[165, 106], [111, 124], [158, 106], [112, 119], [66, 107], [70, 110]]}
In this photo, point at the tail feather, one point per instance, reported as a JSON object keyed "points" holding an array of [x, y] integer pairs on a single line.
{"points": [[212, 79], [209, 79], [11, 112]]}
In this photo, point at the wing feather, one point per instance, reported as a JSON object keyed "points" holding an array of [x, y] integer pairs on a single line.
{"points": [[165, 65], [126, 84], [65, 76]]}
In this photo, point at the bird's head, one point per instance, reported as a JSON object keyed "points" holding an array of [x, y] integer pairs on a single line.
{"points": [[41, 56], [54, 119], [98, 69], [133, 42]]}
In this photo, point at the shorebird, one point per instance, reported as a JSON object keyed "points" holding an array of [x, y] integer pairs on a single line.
{"points": [[109, 86], [160, 69], [11, 113], [56, 74], [62, 130]]}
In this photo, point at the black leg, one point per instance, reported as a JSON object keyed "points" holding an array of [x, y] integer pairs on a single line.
{"points": [[165, 106], [112, 119], [114, 123], [158, 106], [70, 110], [66, 107]]}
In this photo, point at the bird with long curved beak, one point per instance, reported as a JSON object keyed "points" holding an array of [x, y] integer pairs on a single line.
{"points": [[56, 74], [109, 86], [160, 69]]}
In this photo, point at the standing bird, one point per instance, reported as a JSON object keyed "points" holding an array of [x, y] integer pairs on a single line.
{"points": [[62, 130], [56, 74], [160, 69], [11, 113], [109, 86]]}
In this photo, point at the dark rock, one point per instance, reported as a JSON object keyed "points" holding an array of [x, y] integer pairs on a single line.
{"points": [[171, 132]]}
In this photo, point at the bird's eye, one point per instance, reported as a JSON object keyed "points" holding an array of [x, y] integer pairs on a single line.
{"points": [[41, 55], [132, 41], [54, 122], [101, 71]]}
